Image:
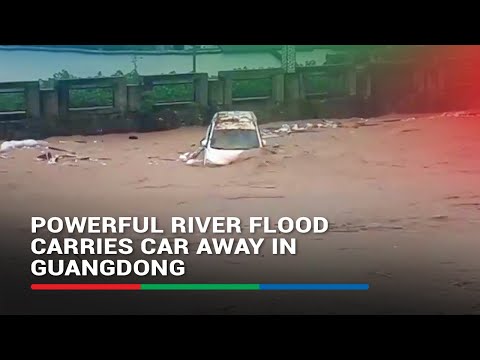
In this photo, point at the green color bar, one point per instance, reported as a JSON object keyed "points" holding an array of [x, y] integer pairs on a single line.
{"points": [[200, 287]]}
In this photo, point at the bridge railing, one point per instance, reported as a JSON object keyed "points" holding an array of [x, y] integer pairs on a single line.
{"points": [[110, 104]]}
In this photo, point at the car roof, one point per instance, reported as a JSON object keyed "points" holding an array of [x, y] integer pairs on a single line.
{"points": [[234, 116], [235, 120]]}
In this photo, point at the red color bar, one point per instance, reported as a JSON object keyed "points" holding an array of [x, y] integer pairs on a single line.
{"points": [[85, 286]]}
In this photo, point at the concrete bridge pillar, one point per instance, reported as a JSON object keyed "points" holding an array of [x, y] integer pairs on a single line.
{"points": [[200, 84], [227, 91], [120, 99], [278, 88], [32, 100], [292, 87], [351, 78]]}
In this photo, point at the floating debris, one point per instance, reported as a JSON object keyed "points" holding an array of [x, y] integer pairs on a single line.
{"points": [[21, 144], [439, 217], [160, 158], [461, 114], [70, 141], [59, 149], [55, 158], [328, 124], [191, 155], [287, 129]]}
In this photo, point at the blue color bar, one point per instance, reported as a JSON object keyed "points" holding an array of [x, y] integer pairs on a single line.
{"points": [[314, 286]]}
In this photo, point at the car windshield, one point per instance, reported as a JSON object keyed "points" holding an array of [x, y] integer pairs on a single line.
{"points": [[234, 139]]}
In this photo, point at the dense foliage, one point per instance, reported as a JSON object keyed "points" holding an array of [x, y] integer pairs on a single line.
{"points": [[12, 102]]}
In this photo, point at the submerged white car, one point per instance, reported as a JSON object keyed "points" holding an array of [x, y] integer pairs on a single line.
{"points": [[230, 134]]}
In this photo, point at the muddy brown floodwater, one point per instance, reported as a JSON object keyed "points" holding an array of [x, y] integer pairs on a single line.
{"points": [[402, 198]]}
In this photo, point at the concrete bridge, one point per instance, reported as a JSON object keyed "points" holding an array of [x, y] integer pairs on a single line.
{"points": [[343, 90]]}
